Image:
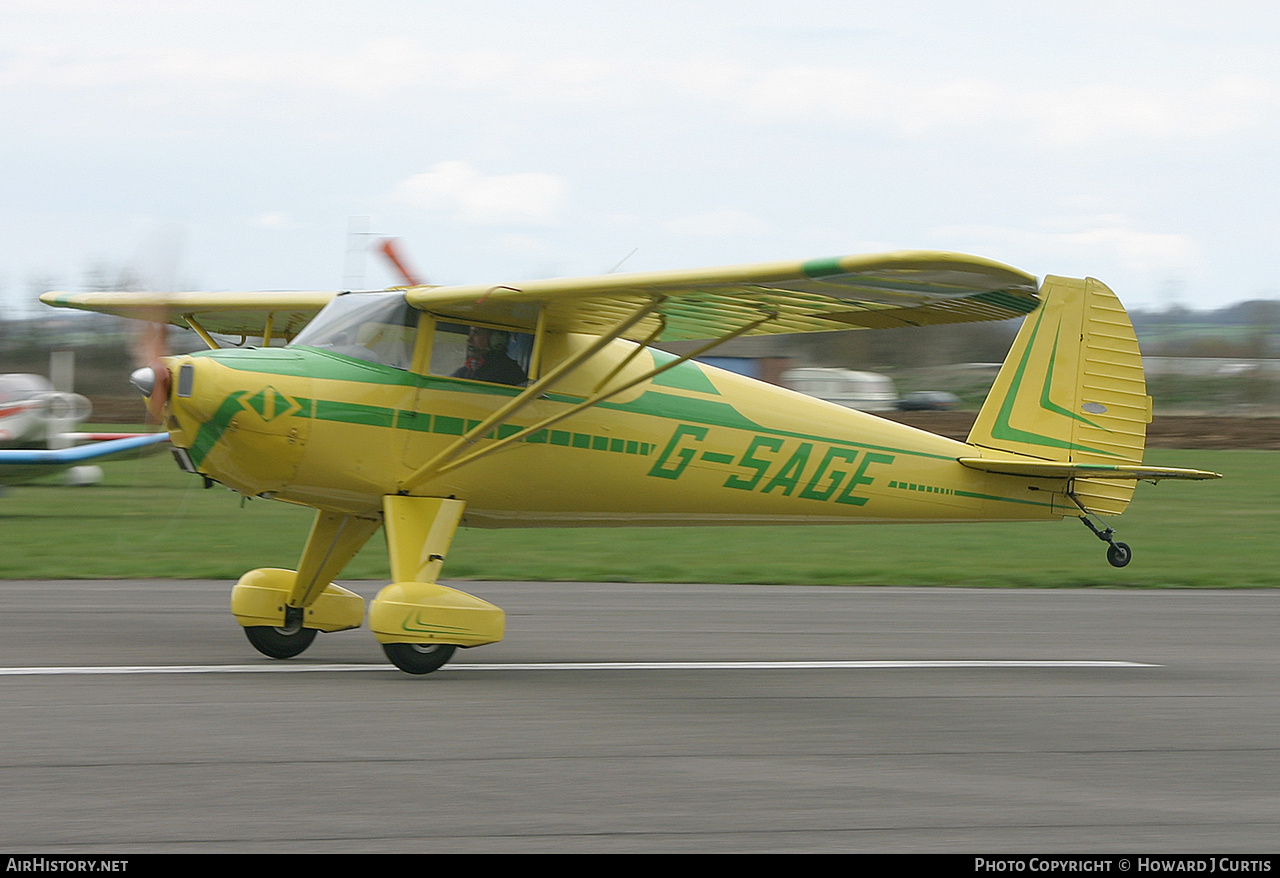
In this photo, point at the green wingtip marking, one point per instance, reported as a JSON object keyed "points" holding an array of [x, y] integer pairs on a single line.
{"points": [[822, 267]]}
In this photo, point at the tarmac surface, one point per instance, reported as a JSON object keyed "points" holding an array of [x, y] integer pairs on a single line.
{"points": [[617, 717]]}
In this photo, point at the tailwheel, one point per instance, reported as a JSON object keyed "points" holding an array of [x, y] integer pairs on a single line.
{"points": [[418, 658], [1119, 554], [284, 641]]}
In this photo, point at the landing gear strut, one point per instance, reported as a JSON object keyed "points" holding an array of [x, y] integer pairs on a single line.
{"points": [[1118, 554], [419, 622]]}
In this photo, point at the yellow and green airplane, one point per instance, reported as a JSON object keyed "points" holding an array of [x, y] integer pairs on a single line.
{"points": [[543, 404]]}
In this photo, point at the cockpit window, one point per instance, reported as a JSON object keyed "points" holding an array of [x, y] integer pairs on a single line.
{"points": [[377, 327]]}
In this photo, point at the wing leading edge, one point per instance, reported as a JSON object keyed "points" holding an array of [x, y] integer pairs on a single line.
{"points": [[246, 314]]}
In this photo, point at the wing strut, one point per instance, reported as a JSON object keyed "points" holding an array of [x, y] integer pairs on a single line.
{"points": [[200, 331], [530, 393], [626, 361], [449, 458]]}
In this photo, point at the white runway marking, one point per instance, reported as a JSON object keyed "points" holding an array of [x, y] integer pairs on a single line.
{"points": [[302, 668]]}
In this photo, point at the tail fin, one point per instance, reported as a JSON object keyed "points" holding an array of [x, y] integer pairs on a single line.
{"points": [[1072, 390]]}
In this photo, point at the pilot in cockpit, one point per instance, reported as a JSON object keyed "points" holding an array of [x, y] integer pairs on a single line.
{"points": [[487, 358]]}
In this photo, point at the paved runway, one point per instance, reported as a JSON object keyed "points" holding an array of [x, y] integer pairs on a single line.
{"points": [[620, 717]]}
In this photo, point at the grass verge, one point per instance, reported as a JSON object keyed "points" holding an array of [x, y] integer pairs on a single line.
{"points": [[149, 520]]}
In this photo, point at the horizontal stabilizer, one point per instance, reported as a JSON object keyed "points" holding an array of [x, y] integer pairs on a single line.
{"points": [[1050, 469]]}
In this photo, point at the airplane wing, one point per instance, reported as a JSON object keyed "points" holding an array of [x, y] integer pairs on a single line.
{"points": [[244, 314], [912, 288], [22, 464]]}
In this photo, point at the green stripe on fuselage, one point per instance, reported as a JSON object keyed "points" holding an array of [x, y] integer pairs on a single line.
{"points": [[335, 367], [686, 376]]}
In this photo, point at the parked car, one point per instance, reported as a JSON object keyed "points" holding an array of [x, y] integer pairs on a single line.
{"points": [[928, 401]]}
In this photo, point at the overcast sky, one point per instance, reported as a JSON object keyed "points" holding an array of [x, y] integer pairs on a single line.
{"points": [[237, 144]]}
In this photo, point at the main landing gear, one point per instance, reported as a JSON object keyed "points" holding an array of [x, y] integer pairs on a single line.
{"points": [[419, 622], [418, 658], [1118, 554], [282, 641]]}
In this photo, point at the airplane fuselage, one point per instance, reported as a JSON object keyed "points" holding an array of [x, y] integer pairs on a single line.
{"points": [[693, 445]]}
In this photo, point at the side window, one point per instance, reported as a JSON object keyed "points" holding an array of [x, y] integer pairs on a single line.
{"points": [[481, 353]]}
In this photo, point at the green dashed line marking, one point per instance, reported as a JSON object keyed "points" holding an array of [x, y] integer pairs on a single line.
{"points": [[936, 489], [447, 426], [912, 486]]}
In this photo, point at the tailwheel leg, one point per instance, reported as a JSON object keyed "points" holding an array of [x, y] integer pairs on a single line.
{"points": [[1118, 554]]}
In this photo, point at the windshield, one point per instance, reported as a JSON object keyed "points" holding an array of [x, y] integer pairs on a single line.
{"points": [[377, 327]]}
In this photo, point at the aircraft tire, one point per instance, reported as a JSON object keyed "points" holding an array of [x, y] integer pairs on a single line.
{"points": [[1119, 554], [280, 643], [418, 658]]}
